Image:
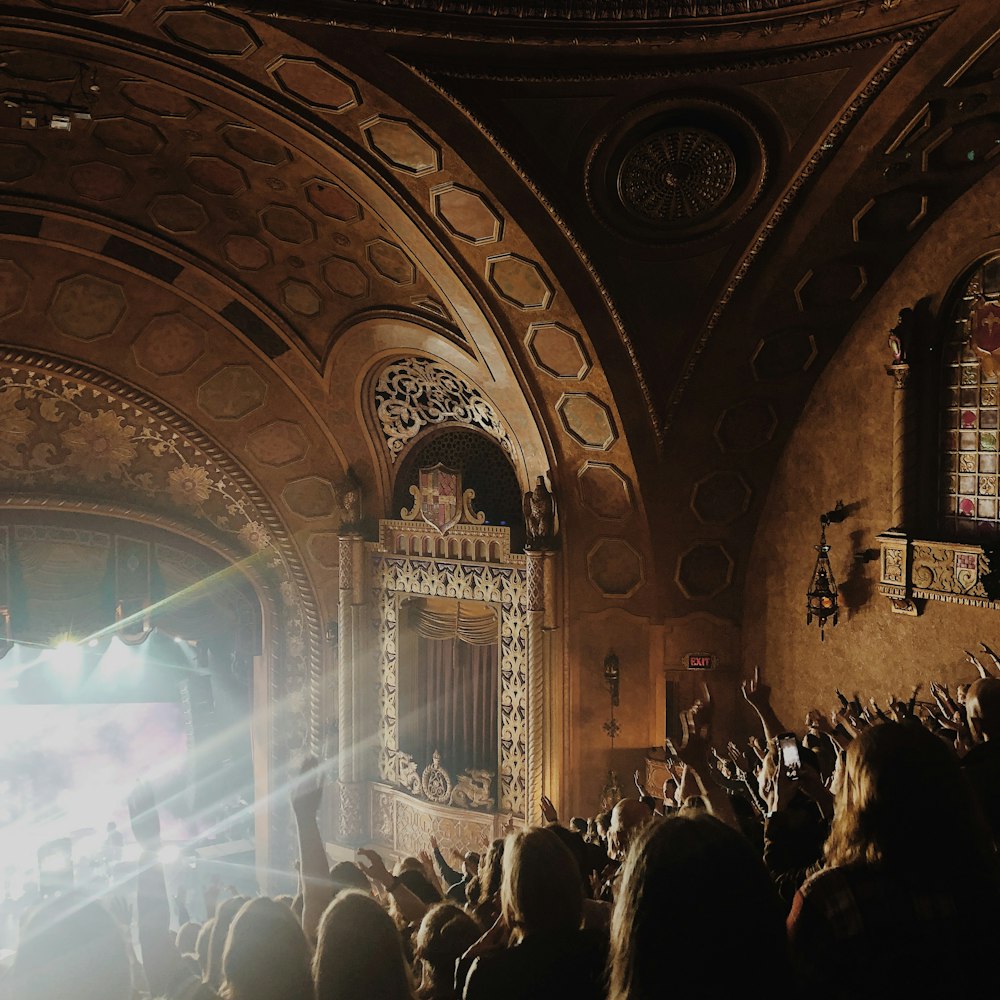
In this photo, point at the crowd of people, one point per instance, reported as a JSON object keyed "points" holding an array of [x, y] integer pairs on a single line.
{"points": [[858, 859]]}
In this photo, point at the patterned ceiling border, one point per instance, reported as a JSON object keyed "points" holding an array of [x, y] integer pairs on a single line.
{"points": [[614, 23], [44, 396]]}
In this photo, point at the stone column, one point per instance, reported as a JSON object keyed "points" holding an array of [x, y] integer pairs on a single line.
{"points": [[355, 736], [536, 684], [904, 457]]}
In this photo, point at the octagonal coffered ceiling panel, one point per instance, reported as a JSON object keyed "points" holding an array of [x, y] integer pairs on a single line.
{"points": [[466, 214], [316, 83], [13, 288], [278, 443], [587, 420], [17, 161], [402, 145], [558, 351], [704, 571], [212, 32], [615, 568], [87, 307], [232, 393], [605, 490], [521, 282], [310, 497], [169, 344], [177, 213]]}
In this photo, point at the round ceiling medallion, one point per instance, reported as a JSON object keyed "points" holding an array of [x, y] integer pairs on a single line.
{"points": [[676, 170], [677, 175]]}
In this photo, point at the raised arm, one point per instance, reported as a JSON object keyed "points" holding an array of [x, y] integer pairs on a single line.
{"points": [[758, 697], [314, 868], [410, 906], [162, 963], [695, 750], [447, 873]]}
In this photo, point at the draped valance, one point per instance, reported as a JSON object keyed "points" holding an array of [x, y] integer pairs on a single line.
{"points": [[470, 621]]}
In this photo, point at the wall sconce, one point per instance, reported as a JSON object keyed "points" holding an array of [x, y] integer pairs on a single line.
{"points": [[821, 598], [612, 678]]}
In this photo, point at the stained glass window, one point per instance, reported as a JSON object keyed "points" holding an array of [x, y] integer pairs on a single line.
{"points": [[970, 430]]}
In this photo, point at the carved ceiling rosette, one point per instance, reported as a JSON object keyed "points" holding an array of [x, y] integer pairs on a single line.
{"points": [[677, 170]]}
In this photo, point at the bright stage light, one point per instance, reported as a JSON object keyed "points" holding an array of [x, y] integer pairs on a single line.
{"points": [[66, 663], [169, 854], [121, 662]]}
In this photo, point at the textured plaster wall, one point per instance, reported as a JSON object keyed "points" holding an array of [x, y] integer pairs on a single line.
{"points": [[842, 449]]}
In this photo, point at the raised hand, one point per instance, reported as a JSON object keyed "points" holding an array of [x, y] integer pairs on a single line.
{"points": [[974, 660], [307, 790], [755, 691], [738, 757], [375, 868], [548, 810], [993, 656]]}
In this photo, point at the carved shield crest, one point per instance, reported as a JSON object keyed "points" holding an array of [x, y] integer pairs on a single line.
{"points": [[440, 496], [984, 334]]}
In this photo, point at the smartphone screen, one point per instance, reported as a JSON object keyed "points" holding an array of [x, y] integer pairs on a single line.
{"points": [[788, 745]]}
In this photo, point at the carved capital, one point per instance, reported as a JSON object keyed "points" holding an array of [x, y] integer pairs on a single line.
{"points": [[900, 374]]}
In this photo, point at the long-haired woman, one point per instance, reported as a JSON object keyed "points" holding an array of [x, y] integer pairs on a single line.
{"points": [[266, 956], [359, 954], [911, 874], [696, 915]]}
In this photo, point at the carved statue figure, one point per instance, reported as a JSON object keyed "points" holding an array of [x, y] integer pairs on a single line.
{"points": [[350, 500], [407, 773], [901, 337], [472, 790], [539, 516]]}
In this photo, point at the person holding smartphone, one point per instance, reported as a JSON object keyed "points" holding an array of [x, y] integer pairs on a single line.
{"points": [[798, 819]]}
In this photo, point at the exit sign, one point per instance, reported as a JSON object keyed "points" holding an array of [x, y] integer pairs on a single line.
{"points": [[700, 661]]}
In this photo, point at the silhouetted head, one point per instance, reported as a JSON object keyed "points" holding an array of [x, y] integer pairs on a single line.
{"points": [[982, 706], [71, 949], [685, 880], [445, 934], [627, 818], [359, 954], [541, 889], [266, 955]]}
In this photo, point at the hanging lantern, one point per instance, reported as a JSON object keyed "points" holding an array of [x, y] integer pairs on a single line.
{"points": [[821, 598]]}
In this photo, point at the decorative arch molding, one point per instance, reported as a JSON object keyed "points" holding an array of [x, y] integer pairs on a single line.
{"points": [[377, 342], [71, 435], [416, 393]]}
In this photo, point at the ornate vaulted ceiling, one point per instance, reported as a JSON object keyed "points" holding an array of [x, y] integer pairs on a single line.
{"points": [[641, 230]]}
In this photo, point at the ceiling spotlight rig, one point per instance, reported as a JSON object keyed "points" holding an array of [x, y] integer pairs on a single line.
{"points": [[34, 110]]}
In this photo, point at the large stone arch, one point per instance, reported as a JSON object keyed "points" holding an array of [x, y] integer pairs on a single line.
{"points": [[79, 440]]}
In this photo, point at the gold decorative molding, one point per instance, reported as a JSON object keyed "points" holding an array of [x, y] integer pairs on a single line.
{"points": [[404, 825], [502, 584], [954, 572]]}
